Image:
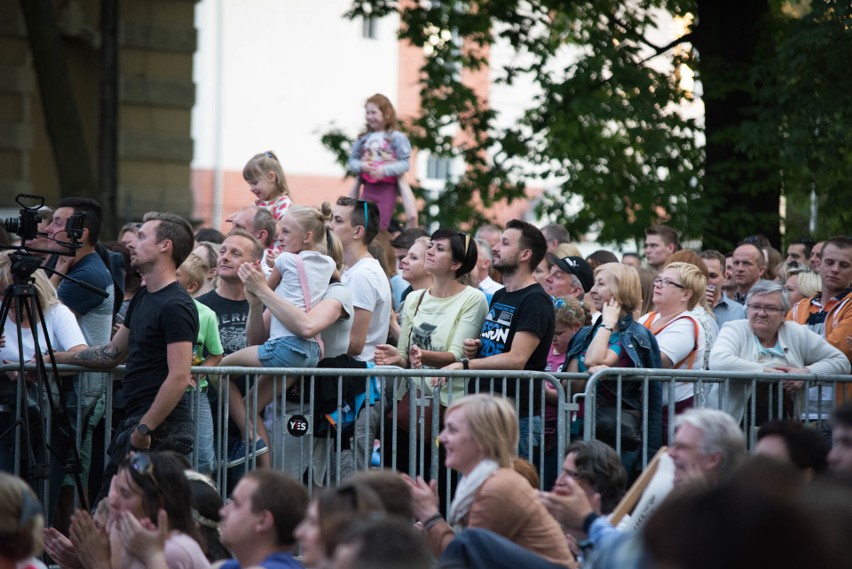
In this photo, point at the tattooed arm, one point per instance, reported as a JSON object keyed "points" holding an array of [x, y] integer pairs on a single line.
{"points": [[100, 357]]}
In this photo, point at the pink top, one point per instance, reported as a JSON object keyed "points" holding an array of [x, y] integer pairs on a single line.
{"points": [[277, 207]]}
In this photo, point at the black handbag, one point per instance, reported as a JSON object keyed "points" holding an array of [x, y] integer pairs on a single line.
{"points": [[631, 427]]}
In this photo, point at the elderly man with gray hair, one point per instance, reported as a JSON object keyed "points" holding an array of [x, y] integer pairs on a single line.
{"points": [[708, 443], [766, 342]]}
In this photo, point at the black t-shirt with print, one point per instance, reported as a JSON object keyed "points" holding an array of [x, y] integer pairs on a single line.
{"points": [[527, 310]]}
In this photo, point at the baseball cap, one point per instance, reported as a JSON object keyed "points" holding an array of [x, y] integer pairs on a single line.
{"points": [[576, 266]]}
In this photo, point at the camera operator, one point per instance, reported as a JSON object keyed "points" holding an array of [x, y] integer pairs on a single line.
{"points": [[93, 312]]}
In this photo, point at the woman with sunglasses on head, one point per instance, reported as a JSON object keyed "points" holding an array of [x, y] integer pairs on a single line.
{"points": [[437, 320], [329, 514], [151, 523]]}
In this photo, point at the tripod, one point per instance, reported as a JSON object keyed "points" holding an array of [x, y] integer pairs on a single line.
{"points": [[22, 295]]}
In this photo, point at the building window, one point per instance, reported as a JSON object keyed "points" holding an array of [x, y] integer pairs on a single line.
{"points": [[368, 28], [438, 168]]}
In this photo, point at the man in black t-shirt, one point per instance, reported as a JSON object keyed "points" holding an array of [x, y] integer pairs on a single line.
{"points": [[518, 330], [156, 342]]}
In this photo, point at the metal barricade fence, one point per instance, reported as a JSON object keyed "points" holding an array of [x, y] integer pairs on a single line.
{"points": [[380, 420], [322, 460], [737, 393]]}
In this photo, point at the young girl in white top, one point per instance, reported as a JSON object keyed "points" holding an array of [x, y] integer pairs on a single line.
{"points": [[305, 237]]}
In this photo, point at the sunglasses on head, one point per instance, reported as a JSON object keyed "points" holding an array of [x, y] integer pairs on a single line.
{"points": [[143, 466]]}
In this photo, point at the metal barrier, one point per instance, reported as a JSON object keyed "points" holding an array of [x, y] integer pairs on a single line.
{"points": [[713, 389], [322, 459], [296, 449]]}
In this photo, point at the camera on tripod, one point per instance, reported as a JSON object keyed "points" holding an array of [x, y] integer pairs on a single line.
{"points": [[26, 225]]}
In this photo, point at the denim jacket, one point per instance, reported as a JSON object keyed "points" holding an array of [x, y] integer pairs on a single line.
{"points": [[641, 347]]}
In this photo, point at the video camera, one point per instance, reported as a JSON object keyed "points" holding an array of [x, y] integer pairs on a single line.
{"points": [[26, 226]]}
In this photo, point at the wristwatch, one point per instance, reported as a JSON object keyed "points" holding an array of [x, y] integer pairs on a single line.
{"points": [[143, 429], [465, 362]]}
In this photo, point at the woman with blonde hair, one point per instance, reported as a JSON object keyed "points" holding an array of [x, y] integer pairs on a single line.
{"points": [[703, 311], [616, 340], [65, 335], [678, 289], [480, 437], [802, 283]]}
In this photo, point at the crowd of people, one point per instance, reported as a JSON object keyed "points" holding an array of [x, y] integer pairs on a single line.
{"points": [[344, 285]]}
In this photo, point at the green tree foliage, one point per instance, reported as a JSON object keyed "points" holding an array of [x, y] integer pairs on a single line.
{"points": [[605, 123], [802, 120]]}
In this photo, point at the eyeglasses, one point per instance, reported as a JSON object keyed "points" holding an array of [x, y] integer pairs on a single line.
{"points": [[141, 463], [663, 283], [769, 310]]}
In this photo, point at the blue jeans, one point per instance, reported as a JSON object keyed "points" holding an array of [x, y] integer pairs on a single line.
{"points": [[476, 548], [523, 444], [289, 351], [204, 435]]}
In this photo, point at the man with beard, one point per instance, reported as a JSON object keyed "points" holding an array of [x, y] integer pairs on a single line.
{"points": [[518, 329], [156, 340]]}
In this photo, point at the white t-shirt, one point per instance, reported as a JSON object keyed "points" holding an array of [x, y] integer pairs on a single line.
{"points": [[676, 341], [318, 271], [62, 326], [370, 291], [335, 338]]}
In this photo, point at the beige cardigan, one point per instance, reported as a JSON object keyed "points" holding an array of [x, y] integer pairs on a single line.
{"points": [[507, 505]]}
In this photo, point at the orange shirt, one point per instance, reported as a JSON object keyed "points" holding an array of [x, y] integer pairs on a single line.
{"points": [[835, 319]]}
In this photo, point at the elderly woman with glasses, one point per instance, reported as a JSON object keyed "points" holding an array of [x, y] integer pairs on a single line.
{"points": [[678, 290], [767, 342]]}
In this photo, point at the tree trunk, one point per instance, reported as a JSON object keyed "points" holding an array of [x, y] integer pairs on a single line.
{"points": [[745, 193]]}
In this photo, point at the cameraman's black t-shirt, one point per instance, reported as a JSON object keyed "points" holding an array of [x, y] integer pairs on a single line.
{"points": [[155, 320]]}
